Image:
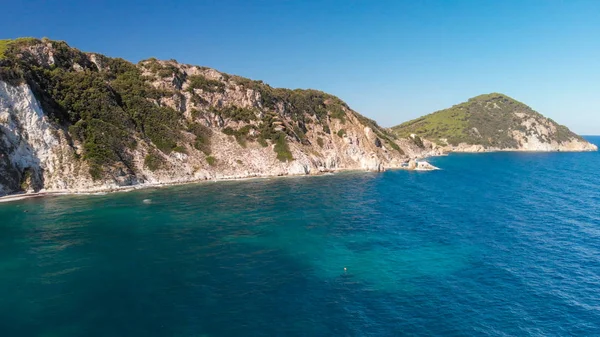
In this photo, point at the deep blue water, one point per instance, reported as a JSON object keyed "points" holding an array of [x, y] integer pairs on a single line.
{"points": [[501, 244]]}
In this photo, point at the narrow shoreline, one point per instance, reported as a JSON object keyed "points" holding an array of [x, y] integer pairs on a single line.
{"points": [[129, 188]]}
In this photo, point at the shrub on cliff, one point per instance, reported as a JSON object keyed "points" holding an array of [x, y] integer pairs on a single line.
{"points": [[282, 148], [212, 161], [3, 47], [203, 137], [240, 135], [205, 84], [320, 142], [236, 113], [153, 161], [418, 141], [337, 112]]}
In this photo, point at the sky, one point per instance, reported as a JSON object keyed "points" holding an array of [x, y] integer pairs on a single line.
{"points": [[390, 60]]}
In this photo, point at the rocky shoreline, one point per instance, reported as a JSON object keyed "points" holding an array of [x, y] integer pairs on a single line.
{"points": [[411, 166], [417, 163], [431, 149]]}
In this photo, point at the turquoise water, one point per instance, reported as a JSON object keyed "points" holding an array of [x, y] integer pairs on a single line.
{"points": [[495, 244]]}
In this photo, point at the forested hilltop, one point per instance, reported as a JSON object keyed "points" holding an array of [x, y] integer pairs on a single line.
{"points": [[492, 122], [71, 120]]}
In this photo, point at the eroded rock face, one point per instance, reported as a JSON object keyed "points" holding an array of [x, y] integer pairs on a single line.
{"points": [[27, 138], [75, 121], [35, 153], [35, 149]]}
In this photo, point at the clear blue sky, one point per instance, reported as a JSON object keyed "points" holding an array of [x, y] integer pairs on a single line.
{"points": [[390, 60]]}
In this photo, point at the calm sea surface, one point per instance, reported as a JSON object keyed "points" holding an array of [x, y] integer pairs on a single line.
{"points": [[502, 244]]}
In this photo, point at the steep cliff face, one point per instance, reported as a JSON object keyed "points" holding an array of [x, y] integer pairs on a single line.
{"points": [[74, 121], [492, 122], [27, 141]]}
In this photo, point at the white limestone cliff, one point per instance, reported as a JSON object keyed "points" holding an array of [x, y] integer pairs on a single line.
{"points": [[38, 155]]}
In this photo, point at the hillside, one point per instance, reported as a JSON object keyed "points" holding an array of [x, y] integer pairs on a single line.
{"points": [[77, 121], [492, 122]]}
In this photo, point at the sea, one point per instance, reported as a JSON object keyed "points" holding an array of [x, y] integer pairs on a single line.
{"points": [[496, 244]]}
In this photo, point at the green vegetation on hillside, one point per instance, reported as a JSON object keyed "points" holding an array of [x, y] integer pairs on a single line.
{"points": [[212, 161], [383, 134], [240, 135], [105, 110], [153, 161], [236, 113], [418, 141], [202, 83], [320, 142], [282, 148], [336, 111], [298, 103], [450, 123], [203, 137], [3, 47], [111, 107], [487, 120]]}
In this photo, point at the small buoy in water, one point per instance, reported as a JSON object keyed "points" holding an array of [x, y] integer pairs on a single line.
{"points": [[345, 269], [147, 201]]}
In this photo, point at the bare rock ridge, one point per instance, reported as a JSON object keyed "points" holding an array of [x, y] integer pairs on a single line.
{"points": [[74, 121], [492, 122]]}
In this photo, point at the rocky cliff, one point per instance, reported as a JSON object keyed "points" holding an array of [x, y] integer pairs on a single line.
{"points": [[492, 122], [75, 121]]}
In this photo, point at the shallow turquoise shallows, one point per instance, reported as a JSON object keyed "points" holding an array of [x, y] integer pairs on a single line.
{"points": [[500, 244]]}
